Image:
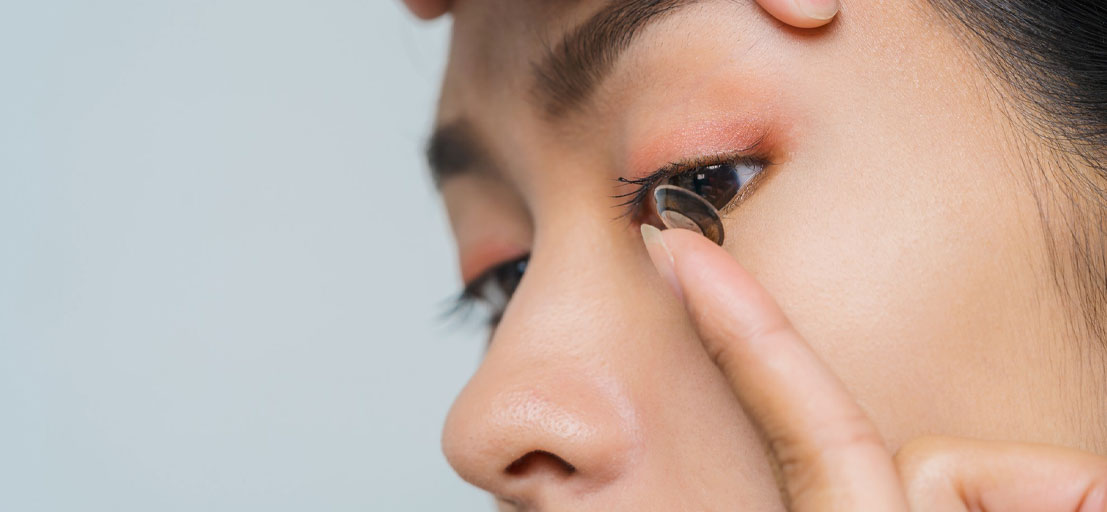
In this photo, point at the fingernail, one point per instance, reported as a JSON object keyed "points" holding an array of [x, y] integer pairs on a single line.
{"points": [[818, 9], [661, 257]]}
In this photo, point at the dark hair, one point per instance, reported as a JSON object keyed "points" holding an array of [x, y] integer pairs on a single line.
{"points": [[1051, 57]]}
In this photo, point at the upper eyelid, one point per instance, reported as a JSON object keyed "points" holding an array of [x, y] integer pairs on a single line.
{"points": [[470, 288]]}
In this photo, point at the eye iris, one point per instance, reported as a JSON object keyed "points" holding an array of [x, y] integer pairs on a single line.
{"points": [[716, 183]]}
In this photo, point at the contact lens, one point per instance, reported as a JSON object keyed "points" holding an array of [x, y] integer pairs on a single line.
{"points": [[717, 184], [680, 208]]}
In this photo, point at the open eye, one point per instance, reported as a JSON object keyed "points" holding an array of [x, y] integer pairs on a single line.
{"points": [[718, 183], [494, 288], [718, 180]]}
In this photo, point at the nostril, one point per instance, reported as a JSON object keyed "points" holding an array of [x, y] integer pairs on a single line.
{"points": [[537, 461]]}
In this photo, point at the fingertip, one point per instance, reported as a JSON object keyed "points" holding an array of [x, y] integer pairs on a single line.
{"points": [[818, 12], [661, 257], [802, 13], [428, 9]]}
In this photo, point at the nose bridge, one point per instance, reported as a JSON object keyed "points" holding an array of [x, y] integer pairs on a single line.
{"points": [[549, 386]]}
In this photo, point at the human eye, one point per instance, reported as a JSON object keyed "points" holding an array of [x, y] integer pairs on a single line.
{"points": [[722, 181], [492, 290], [717, 183]]}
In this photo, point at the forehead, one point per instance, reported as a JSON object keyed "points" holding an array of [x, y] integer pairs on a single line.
{"points": [[495, 42], [542, 74]]}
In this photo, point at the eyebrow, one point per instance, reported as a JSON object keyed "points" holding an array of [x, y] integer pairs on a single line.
{"points": [[563, 79], [573, 68], [454, 149]]}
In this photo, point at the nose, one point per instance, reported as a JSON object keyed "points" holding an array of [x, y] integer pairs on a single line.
{"points": [[549, 417], [544, 435]]}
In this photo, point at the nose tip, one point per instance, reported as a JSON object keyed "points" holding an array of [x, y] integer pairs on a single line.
{"points": [[547, 435]]}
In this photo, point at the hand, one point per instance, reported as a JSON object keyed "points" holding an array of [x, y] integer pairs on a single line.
{"points": [[827, 453], [797, 13]]}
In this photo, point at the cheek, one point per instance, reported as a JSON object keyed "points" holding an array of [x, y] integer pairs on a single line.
{"points": [[900, 243], [904, 260]]}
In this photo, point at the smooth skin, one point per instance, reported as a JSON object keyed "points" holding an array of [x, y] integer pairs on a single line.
{"points": [[892, 338], [827, 451]]}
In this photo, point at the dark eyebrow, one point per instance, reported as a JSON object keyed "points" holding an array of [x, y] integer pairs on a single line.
{"points": [[454, 149], [573, 68]]}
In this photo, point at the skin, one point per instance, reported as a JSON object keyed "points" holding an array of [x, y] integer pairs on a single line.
{"points": [[887, 282], [827, 452]]}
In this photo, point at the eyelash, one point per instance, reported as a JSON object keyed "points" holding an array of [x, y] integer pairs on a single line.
{"points": [[472, 297]]}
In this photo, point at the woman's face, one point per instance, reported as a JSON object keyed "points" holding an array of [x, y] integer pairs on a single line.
{"points": [[894, 222]]}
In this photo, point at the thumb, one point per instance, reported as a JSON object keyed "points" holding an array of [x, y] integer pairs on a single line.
{"points": [[428, 9], [947, 473]]}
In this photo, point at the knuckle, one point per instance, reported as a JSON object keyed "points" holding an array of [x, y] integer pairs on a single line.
{"points": [[807, 461], [790, 451], [721, 342], [772, 326], [724, 340], [719, 345], [851, 431], [798, 467]]}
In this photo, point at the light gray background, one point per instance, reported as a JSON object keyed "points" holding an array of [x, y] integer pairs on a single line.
{"points": [[221, 260]]}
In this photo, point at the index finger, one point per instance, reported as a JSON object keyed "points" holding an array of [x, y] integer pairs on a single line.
{"points": [[830, 455]]}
